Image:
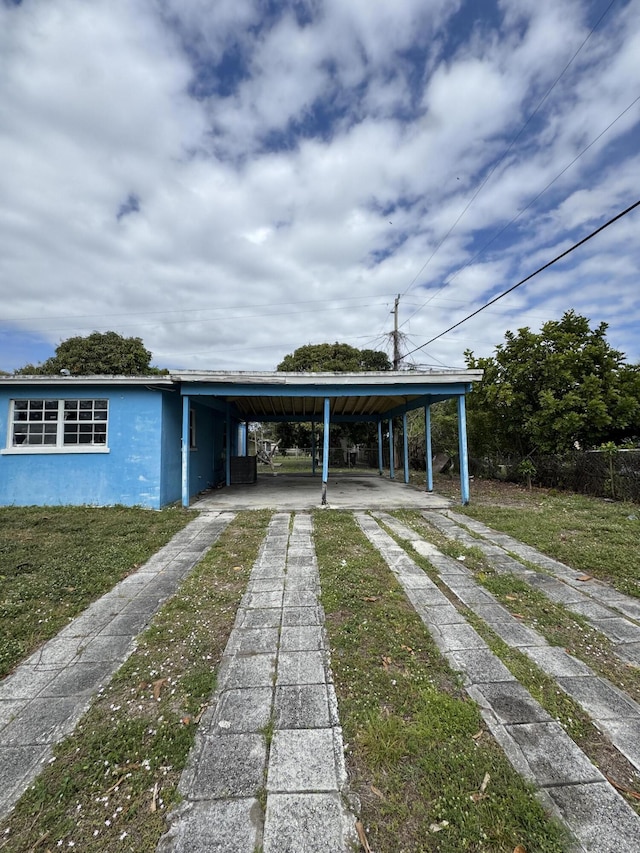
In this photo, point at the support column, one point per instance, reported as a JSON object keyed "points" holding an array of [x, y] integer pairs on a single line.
{"points": [[380, 448], [227, 451], [405, 447], [313, 448], [462, 450], [428, 453], [392, 473], [185, 451], [244, 439], [325, 452]]}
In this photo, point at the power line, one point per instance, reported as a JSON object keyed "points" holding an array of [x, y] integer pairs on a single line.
{"points": [[524, 210], [529, 277], [500, 160]]}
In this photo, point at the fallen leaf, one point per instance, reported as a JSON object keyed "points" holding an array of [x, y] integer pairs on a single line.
{"points": [[461, 559], [438, 827], [585, 578], [519, 615], [186, 720], [237, 568], [154, 799], [371, 598], [407, 649], [363, 837], [386, 662], [377, 792], [485, 782], [511, 597], [634, 794], [478, 735], [520, 849], [157, 687]]}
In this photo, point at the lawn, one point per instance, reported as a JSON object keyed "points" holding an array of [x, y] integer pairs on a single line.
{"points": [[428, 775], [55, 561]]}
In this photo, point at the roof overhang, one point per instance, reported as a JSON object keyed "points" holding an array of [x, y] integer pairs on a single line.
{"points": [[300, 396]]}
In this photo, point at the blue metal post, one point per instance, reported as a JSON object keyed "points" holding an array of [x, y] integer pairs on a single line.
{"points": [[380, 448], [227, 451], [325, 451], [185, 451], [405, 447], [462, 450], [244, 439], [427, 452], [313, 448], [392, 473]]}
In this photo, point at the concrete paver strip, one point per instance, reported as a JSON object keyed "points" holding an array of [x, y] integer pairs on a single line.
{"points": [[43, 699], [608, 706], [274, 678], [537, 746], [601, 605]]}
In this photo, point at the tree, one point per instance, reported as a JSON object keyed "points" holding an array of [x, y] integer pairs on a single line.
{"points": [[334, 358], [561, 388], [331, 358], [100, 353]]}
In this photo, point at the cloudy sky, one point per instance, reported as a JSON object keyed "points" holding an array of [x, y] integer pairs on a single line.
{"points": [[231, 180]]}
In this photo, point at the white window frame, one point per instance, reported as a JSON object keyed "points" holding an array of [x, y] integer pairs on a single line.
{"points": [[64, 411]]}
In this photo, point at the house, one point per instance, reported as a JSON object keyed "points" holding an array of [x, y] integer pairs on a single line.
{"points": [[156, 440]]}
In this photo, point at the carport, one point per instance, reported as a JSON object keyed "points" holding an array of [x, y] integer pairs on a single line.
{"points": [[323, 399]]}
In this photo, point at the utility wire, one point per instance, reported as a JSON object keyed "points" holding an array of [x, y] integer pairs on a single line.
{"points": [[501, 159], [530, 276], [524, 210]]}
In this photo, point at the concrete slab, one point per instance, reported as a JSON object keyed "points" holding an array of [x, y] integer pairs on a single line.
{"points": [[298, 638], [600, 699], [552, 755], [246, 671], [509, 701], [218, 826], [556, 662], [480, 666], [42, 721], [252, 641], [301, 668], [302, 706], [242, 710], [308, 823], [304, 492], [302, 616], [268, 617], [230, 765], [302, 760], [600, 819]]}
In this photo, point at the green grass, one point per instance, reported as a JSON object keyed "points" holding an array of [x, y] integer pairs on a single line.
{"points": [[591, 535], [111, 783], [417, 753], [55, 561]]}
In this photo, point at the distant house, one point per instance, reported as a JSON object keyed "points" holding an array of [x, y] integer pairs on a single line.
{"points": [[156, 440]]}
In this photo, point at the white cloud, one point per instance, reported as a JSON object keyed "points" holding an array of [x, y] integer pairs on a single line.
{"points": [[389, 117]]}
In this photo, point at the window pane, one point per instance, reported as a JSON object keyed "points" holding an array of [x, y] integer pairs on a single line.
{"points": [[21, 405], [37, 404], [86, 404]]}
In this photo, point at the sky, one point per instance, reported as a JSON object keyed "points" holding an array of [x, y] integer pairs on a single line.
{"points": [[229, 181]]}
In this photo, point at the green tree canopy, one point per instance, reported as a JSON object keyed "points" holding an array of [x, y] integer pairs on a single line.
{"points": [[550, 391], [334, 358], [330, 358], [100, 353]]}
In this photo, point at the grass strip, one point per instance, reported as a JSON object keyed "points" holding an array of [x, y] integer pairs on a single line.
{"points": [[593, 536], [110, 783], [556, 623], [417, 751], [54, 561]]}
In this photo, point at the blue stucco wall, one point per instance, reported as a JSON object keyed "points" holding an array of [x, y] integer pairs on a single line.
{"points": [[130, 473]]}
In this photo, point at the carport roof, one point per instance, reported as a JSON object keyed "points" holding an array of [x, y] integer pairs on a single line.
{"points": [[300, 396]]}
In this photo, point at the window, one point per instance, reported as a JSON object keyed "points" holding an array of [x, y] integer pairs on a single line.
{"points": [[50, 424]]}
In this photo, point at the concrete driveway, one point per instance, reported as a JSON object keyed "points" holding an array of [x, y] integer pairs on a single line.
{"points": [[304, 491]]}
